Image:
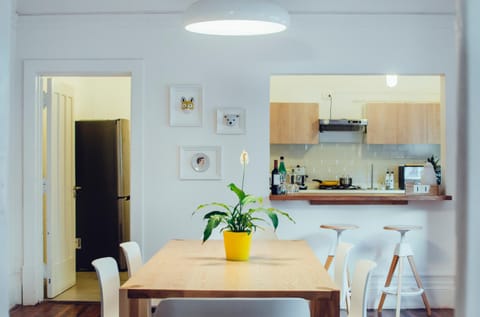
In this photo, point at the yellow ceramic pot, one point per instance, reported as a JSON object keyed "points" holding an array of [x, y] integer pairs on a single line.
{"points": [[237, 245]]}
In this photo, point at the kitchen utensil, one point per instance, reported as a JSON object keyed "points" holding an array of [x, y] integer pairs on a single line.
{"points": [[345, 181], [326, 182]]}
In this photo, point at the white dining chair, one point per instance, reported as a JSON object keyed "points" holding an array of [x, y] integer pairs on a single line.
{"points": [[341, 277], [133, 257], [229, 307], [361, 278], [109, 280]]}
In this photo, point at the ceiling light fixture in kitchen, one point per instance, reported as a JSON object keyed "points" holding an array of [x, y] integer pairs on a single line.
{"points": [[392, 80], [234, 17]]}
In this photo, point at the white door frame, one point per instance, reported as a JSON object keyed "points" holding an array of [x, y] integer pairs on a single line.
{"points": [[33, 267]]}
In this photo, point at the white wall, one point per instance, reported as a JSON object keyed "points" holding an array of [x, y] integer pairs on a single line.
{"points": [[235, 72], [7, 37], [350, 94], [100, 98], [468, 169]]}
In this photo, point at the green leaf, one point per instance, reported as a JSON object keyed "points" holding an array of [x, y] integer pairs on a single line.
{"points": [[215, 213], [274, 218], [240, 193], [212, 223]]}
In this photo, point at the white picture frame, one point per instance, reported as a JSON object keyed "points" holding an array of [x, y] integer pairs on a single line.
{"points": [[200, 162], [186, 105], [231, 120]]}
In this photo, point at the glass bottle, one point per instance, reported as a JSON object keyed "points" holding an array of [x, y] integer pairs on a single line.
{"points": [[275, 186]]}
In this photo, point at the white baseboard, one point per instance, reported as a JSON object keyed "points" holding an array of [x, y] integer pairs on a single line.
{"points": [[440, 292]]}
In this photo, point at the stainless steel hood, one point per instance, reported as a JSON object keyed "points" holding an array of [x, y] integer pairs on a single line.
{"points": [[351, 125]]}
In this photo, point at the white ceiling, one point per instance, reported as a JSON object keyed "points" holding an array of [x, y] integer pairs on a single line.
{"points": [[45, 7]]}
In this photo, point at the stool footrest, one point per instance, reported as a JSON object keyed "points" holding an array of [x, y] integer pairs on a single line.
{"points": [[404, 292]]}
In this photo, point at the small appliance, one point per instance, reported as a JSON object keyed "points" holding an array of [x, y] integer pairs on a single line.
{"points": [[409, 173]]}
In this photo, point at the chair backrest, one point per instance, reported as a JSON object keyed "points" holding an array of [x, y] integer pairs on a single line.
{"points": [[361, 277], [133, 256], [109, 279], [238, 307], [341, 263]]}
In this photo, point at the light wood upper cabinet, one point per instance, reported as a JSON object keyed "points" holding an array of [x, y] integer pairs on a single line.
{"points": [[403, 123], [294, 123]]}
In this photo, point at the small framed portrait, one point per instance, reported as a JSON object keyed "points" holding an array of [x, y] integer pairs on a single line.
{"points": [[200, 162], [186, 105]]}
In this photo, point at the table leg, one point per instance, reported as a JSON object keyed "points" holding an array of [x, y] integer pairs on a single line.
{"points": [[124, 303], [326, 307]]}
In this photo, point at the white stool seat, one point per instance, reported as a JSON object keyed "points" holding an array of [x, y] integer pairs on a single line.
{"points": [[402, 250]]}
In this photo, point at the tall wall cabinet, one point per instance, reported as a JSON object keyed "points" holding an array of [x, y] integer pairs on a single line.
{"points": [[403, 123], [294, 123]]}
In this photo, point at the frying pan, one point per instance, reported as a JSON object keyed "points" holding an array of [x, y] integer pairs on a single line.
{"points": [[326, 182]]}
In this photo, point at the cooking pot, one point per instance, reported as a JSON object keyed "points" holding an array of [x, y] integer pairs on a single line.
{"points": [[345, 181], [326, 182]]}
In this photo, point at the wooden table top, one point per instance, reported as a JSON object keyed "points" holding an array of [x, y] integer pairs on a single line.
{"points": [[188, 268]]}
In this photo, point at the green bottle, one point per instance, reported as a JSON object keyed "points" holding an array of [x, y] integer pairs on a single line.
{"points": [[283, 171]]}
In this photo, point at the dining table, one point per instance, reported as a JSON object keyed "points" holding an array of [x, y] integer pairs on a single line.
{"points": [[190, 268]]}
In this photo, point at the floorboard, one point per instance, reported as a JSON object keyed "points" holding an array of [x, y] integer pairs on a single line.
{"points": [[68, 309]]}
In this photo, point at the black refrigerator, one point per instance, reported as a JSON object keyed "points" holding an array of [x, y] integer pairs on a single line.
{"points": [[102, 173]]}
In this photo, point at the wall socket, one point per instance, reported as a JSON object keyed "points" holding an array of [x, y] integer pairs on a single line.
{"points": [[421, 189]]}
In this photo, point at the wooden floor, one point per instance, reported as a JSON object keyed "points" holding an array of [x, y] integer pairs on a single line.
{"points": [[86, 288], [58, 309]]}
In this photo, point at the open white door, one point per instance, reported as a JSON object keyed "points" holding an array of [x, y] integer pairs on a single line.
{"points": [[60, 203]]}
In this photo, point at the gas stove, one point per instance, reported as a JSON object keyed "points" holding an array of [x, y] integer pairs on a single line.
{"points": [[339, 187]]}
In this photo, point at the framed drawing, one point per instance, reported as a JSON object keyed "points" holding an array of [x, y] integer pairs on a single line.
{"points": [[200, 162], [186, 105], [231, 121]]}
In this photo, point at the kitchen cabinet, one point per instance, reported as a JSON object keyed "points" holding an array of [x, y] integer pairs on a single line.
{"points": [[403, 123], [294, 123]]}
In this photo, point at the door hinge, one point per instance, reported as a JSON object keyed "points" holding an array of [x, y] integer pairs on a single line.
{"points": [[44, 185], [45, 99]]}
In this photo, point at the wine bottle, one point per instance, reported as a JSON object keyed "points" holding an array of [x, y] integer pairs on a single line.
{"points": [[275, 187]]}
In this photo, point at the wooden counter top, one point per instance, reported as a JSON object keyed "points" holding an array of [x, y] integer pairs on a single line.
{"points": [[358, 199]]}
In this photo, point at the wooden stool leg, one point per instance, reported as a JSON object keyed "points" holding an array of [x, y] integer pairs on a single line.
{"points": [[393, 265], [328, 262], [419, 284]]}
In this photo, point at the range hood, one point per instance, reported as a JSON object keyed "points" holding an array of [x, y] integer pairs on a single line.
{"points": [[351, 125]]}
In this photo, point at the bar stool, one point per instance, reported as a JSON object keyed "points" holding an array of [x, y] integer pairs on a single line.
{"points": [[339, 228], [402, 250]]}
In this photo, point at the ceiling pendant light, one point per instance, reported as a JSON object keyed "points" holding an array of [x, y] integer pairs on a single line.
{"points": [[235, 17]]}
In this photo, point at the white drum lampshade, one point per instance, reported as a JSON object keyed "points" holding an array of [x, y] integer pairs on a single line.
{"points": [[235, 17]]}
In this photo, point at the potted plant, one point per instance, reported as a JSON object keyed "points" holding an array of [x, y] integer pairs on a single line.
{"points": [[239, 221]]}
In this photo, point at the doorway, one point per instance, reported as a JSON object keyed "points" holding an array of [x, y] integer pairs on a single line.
{"points": [[86, 167], [33, 258]]}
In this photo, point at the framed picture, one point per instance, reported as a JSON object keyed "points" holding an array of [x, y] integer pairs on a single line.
{"points": [[200, 162], [231, 121], [186, 105]]}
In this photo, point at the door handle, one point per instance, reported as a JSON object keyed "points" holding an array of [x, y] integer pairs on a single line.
{"points": [[76, 189]]}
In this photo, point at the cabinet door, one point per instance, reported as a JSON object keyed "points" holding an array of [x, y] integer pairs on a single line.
{"points": [[294, 123], [382, 123], [403, 123]]}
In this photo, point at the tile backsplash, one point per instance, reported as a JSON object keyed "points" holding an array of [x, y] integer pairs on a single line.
{"points": [[327, 161]]}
